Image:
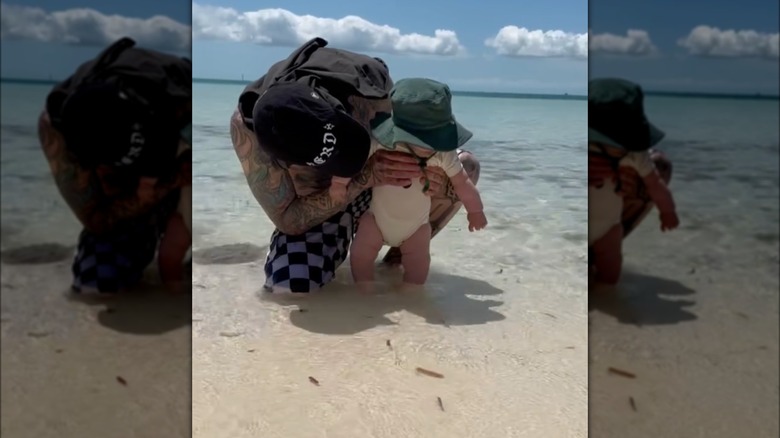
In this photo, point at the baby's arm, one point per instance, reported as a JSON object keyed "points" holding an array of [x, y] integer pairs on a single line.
{"points": [[659, 192], [467, 192], [656, 188]]}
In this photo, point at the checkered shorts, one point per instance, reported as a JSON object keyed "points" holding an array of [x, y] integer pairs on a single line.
{"points": [[306, 262], [117, 260]]}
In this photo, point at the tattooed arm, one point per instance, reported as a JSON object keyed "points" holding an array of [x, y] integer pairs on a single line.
{"points": [[83, 191], [273, 187]]}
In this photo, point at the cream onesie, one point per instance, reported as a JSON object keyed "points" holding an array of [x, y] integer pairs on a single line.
{"points": [[400, 211], [605, 207]]}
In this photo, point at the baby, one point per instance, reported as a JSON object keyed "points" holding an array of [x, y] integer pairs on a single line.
{"points": [[398, 216], [605, 205], [177, 238]]}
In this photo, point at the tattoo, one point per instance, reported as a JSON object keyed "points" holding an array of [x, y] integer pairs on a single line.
{"points": [[83, 191], [275, 189], [309, 180], [449, 192]]}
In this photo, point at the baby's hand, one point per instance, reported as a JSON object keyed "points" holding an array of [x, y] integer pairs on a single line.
{"points": [[477, 221], [669, 221]]}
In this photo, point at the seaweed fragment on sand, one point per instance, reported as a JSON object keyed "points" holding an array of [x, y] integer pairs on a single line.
{"points": [[441, 404], [314, 381], [632, 403], [430, 373], [622, 373], [121, 380]]}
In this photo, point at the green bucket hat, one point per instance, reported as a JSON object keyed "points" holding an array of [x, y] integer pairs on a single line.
{"points": [[422, 116], [616, 116]]}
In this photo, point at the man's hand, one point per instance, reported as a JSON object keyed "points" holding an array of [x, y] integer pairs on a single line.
{"points": [[393, 168], [437, 181]]}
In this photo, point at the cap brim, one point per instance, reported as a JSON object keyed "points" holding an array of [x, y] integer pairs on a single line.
{"points": [[443, 139], [597, 137], [656, 135], [594, 136], [351, 156]]}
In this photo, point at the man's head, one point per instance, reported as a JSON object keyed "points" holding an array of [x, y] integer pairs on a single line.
{"points": [[114, 124], [298, 124]]}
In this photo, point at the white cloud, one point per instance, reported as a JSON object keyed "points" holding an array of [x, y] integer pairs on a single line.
{"points": [[279, 27], [519, 42], [88, 27], [635, 43], [713, 42]]}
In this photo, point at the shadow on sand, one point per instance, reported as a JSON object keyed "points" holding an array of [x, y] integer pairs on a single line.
{"points": [[39, 254], [646, 300], [340, 310], [232, 254], [146, 309]]}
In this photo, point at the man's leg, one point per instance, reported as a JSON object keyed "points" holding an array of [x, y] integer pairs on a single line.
{"points": [[107, 264], [115, 261], [307, 262], [443, 208]]}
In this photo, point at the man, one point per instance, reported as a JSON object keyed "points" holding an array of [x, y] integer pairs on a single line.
{"points": [[279, 120], [111, 133]]}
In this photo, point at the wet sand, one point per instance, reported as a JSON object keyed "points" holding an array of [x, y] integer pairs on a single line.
{"points": [[696, 322], [116, 368], [512, 353]]}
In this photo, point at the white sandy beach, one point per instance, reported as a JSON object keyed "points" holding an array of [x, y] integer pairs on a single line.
{"points": [[504, 318], [696, 322], [512, 349], [71, 369]]}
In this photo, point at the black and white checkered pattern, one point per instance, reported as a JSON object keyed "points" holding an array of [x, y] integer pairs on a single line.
{"points": [[114, 261], [307, 262]]}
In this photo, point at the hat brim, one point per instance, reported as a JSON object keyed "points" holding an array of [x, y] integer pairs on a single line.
{"points": [[444, 139], [594, 136], [351, 157]]}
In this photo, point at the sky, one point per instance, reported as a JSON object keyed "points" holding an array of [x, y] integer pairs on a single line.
{"points": [[715, 46], [530, 46], [49, 39]]}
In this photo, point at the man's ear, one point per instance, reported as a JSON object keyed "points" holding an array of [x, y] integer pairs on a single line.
{"points": [[108, 180]]}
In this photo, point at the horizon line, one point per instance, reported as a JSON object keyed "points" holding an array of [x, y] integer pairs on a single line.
{"points": [[566, 96]]}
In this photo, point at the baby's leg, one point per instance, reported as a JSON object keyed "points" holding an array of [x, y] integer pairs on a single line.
{"points": [[608, 252], [416, 256], [173, 247], [365, 247]]}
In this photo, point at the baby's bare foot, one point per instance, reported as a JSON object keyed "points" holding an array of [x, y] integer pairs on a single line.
{"points": [[365, 287], [412, 287]]}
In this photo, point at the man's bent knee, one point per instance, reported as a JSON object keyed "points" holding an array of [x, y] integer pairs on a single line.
{"points": [[471, 165]]}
